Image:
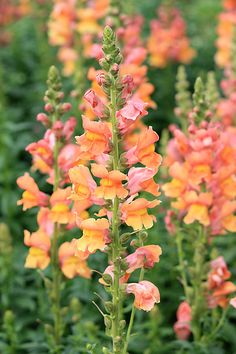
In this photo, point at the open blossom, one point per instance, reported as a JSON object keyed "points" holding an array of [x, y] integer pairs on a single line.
{"points": [[83, 183], [146, 294], [97, 105], [110, 271], [129, 114], [168, 40], [95, 235], [72, 261], [182, 326], [135, 213], [39, 243], [32, 196], [145, 256], [141, 178], [60, 206], [110, 183], [143, 149], [95, 140]]}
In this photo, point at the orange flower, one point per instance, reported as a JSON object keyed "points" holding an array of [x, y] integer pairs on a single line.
{"points": [[72, 261], [135, 213], [83, 183], [110, 271], [198, 207], [87, 21], [146, 294], [95, 235], [168, 40], [144, 150], [184, 317], [221, 293], [110, 183], [62, 22], [96, 139], [60, 206], [32, 195], [145, 256], [230, 4], [39, 244]]}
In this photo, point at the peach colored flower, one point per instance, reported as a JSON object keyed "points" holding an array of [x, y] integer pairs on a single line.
{"points": [[135, 213], [110, 183], [39, 244], [182, 326], [127, 116], [110, 271], [73, 262], [141, 179], [95, 235], [95, 102], [95, 140], [60, 206], [144, 150], [32, 196], [83, 183], [146, 294], [145, 256]]}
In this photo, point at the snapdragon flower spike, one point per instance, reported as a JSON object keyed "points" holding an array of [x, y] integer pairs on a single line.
{"points": [[71, 24], [56, 213], [111, 143], [201, 169], [137, 89], [226, 33], [168, 41]]}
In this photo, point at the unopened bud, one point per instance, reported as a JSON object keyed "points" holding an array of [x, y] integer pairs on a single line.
{"points": [[49, 108], [43, 118], [100, 78]]}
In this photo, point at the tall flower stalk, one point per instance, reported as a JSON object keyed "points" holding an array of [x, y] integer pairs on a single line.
{"points": [[53, 156], [111, 144], [202, 208]]}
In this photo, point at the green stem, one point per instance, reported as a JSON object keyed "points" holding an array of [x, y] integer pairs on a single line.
{"points": [[179, 242], [116, 297], [198, 297], [218, 326], [56, 275]]}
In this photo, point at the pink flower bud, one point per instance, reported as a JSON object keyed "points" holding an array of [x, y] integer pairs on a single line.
{"points": [[48, 107], [66, 107], [115, 67], [43, 118], [100, 78]]}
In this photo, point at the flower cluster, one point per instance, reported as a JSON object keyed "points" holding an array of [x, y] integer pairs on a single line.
{"points": [[226, 33], [203, 176], [72, 25], [9, 12], [168, 41], [52, 156], [112, 144]]}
